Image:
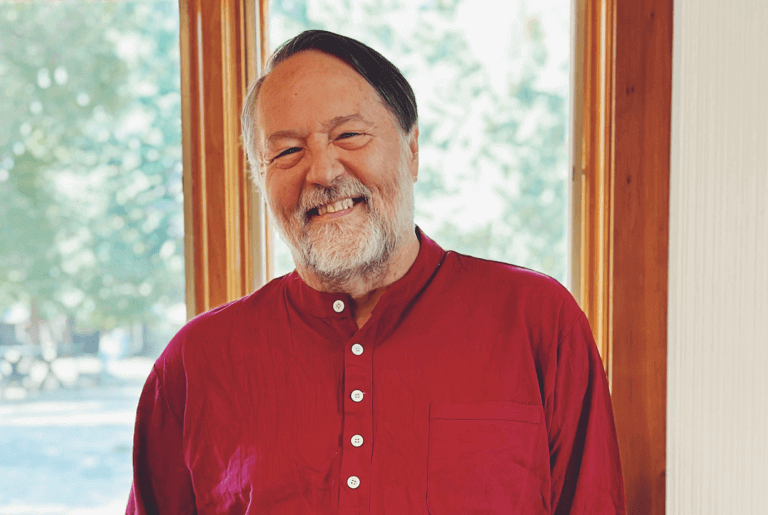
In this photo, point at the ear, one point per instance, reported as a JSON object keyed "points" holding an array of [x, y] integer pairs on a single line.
{"points": [[413, 146]]}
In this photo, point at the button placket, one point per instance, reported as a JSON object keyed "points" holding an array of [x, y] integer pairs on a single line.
{"points": [[358, 418]]}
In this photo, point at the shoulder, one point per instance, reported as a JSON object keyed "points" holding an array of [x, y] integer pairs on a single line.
{"points": [[511, 275], [199, 344], [536, 297], [208, 332]]}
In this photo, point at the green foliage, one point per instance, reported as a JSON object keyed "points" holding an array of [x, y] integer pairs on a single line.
{"points": [[493, 113], [90, 159]]}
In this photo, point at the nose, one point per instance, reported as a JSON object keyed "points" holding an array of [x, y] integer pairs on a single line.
{"points": [[324, 165]]}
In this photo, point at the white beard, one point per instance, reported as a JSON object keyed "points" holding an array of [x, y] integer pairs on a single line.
{"points": [[359, 247]]}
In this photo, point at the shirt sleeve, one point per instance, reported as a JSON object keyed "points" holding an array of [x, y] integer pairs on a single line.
{"points": [[584, 453], [161, 480]]}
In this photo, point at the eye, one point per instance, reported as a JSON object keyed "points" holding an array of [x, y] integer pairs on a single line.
{"points": [[351, 140], [286, 152]]}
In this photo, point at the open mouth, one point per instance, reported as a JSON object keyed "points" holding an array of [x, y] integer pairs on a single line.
{"points": [[333, 207]]}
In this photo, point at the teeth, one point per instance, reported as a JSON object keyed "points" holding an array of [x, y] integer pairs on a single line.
{"points": [[336, 206]]}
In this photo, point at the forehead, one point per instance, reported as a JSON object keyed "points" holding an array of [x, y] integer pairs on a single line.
{"points": [[312, 87]]}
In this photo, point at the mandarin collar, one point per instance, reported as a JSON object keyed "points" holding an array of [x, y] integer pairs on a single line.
{"points": [[394, 300]]}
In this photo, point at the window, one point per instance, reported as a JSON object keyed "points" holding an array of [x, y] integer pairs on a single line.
{"points": [[91, 247]]}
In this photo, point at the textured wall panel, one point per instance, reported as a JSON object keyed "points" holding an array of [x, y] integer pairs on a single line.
{"points": [[717, 432]]}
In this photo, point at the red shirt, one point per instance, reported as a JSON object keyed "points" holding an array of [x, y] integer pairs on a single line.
{"points": [[475, 387]]}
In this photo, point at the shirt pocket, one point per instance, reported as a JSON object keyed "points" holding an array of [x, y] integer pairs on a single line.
{"points": [[480, 456]]}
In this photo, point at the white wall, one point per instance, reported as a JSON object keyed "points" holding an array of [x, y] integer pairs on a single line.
{"points": [[717, 427]]}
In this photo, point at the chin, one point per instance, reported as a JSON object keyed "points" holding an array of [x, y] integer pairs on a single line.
{"points": [[341, 251], [357, 248]]}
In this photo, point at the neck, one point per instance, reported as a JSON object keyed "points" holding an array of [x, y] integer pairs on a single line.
{"points": [[365, 288]]}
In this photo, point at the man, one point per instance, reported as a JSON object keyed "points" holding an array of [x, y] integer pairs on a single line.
{"points": [[384, 375]]}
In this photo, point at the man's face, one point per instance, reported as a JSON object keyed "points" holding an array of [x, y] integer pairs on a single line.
{"points": [[338, 172]]}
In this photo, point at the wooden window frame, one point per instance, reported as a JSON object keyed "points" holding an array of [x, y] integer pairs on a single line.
{"points": [[620, 204], [620, 216], [217, 63]]}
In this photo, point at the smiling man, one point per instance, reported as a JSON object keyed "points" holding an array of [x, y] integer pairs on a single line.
{"points": [[338, 171], [384, 375]]}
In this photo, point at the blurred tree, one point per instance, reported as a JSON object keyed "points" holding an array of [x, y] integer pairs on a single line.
{"points": [[90, 152]]}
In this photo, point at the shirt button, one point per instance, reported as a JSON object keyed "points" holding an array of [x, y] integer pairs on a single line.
{"points": [[357, 395], [353, 482], [338, 306], [357, 349], [357, 441]]}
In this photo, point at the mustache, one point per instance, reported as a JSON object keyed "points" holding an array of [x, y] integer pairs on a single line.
{"points": [[347, 187]]}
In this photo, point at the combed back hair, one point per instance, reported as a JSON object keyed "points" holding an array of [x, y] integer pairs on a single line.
{"points": [[384, 76]]}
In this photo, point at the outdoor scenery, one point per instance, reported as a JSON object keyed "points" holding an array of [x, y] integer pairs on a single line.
{"points": [[91, 241], [91, 221]]}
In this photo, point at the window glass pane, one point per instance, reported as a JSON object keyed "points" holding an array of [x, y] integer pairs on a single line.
{"points": [[492, 83], [91, 245]]}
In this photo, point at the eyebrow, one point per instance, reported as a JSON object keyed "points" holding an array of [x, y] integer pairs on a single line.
{"points": [[327, 126]]}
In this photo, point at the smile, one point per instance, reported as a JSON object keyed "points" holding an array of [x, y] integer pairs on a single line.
{"points": [[339, 205]]}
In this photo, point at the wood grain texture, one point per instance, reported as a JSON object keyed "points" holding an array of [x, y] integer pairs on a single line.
{"points": [[594, 179], [718, 270], [642, 82], [623, 251], [215, 51]]}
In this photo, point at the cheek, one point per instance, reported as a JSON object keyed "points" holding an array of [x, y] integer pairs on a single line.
{"points": [[381, 173], [391, 183], [283, 195]]}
